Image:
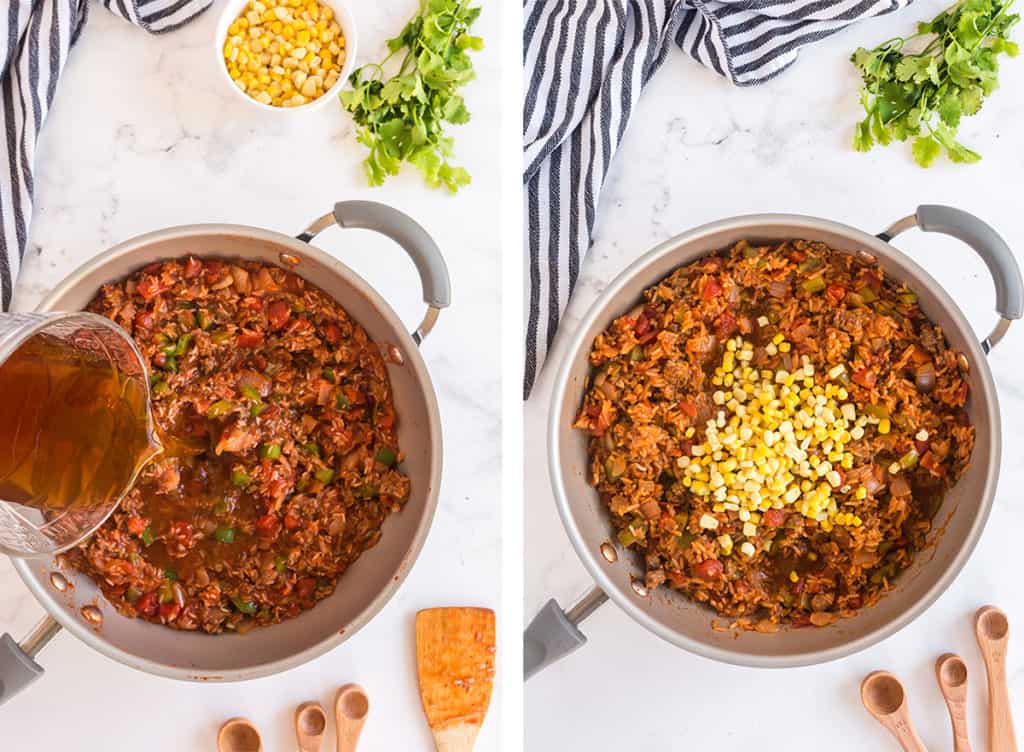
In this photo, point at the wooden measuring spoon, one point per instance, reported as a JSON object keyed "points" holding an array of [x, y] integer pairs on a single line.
{"points": [[993, 632], [883, 696], [951, 673], [239, 735], [310, 724], [351, 707], [455, 662]]}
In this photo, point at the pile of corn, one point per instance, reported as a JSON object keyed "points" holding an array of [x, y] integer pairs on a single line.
{"points": [[778, 441], [284, 52]]}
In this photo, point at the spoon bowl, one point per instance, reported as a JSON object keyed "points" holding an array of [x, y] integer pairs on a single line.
{"points": [[992, 623], [239, 735], [351, 707], [884, 697], [310, 725], [951, 671], [882, 693]]}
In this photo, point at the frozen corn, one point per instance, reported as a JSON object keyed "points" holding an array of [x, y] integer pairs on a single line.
{"points": [[284, 53]]}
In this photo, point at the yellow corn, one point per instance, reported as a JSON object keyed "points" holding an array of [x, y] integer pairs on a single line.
{"points": [[776, 440], [259, 51]]}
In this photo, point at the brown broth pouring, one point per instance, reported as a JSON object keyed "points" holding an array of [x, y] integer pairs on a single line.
{"points": [[75, 428]]}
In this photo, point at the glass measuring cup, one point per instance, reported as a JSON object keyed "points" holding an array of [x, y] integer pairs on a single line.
{"points": [[75, 427]]}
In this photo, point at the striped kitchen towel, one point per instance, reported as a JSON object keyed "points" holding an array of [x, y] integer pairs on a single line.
{"points": [[35, 38], [586, 62]]}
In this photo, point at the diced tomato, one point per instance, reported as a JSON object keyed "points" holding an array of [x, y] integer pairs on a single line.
{"points": [[726, 325], [865, 377], [192, 267], [250, 339], [353, 395], [711, 289], [267, 526], [797, 255], [835, 293], [169, 611], [160, 359], [774, 518], [305, 587], [147, 603], [278, 313], [642, 325], [136, 525], [687, 407], [686, 447], [386, 420], [709, 570], [149, 287], [800, 621], [291, 522], [332, 333], [143, 320]]}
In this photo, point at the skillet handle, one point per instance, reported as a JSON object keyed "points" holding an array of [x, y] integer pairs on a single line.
{"points": [[554, 633], [988, 244], [18, 668], [405, 231]]}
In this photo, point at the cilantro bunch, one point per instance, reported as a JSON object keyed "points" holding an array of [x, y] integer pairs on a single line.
{"points": [[401, 118], [925, 94]]}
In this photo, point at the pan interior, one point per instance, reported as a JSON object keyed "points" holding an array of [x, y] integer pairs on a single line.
{"points": [[681, 621], [368, 583]]}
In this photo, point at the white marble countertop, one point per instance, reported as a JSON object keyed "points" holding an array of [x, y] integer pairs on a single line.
{"points": [[145, 135], [698, 150]]}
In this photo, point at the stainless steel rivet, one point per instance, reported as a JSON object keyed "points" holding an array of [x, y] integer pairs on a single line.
{"points": [[59, 581], [609, 553], [92, 615]]}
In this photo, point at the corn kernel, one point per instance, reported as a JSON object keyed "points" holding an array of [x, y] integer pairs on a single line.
{"points": [[259, 53]]}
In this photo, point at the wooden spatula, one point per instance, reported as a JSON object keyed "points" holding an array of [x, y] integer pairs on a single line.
{"points": [[455, 661]]}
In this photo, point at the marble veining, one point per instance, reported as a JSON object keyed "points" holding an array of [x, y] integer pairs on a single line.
{"points": [[144, 135], [698, 150]]}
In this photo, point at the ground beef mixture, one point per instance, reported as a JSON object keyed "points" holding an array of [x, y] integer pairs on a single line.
{"points": [[773, 429], [281, 455]]}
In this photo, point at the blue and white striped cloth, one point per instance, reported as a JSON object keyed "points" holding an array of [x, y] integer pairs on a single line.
{"points": [[586, 62], [35, 39]]}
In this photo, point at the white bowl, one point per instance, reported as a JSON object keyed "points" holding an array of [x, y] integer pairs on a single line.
{"points": [[348, 28]]}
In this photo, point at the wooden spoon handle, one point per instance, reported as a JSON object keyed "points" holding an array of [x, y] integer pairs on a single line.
{"points": [[958, 717], [905, 734], [1001, 737]]}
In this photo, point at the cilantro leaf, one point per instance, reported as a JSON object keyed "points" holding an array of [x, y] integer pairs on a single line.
{"points": [[402, 117], [925, 94]]}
